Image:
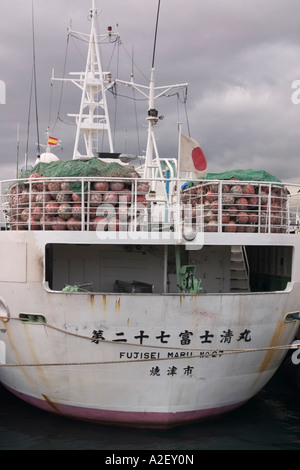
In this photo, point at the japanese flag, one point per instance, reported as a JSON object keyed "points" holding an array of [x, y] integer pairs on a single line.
{"points": [[192, 158]]}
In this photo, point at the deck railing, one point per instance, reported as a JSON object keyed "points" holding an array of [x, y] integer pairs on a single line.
{"points": [[133, 204]]}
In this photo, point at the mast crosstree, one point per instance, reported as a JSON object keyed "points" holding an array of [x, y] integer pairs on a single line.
{"points": [[93, 116]]}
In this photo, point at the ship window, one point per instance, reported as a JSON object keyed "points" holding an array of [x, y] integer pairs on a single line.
{"points": [[270, 267]]}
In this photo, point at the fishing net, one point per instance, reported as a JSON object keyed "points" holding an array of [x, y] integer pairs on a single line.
{"points": [[243, 175], [81, 168]]}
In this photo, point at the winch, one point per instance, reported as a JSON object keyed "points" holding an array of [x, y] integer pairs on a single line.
{"points": [[187, 281]]}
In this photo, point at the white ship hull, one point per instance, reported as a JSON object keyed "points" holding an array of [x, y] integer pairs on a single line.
{"points": [[201, 355]]}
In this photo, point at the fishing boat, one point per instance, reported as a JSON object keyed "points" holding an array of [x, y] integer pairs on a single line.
{"points": [[149, 295]]}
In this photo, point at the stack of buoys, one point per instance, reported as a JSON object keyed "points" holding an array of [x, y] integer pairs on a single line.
{"points": [[238, 206], [40, 203]]}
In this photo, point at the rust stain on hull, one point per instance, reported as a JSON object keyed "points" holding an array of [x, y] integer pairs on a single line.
{"points": [[19, 360], [13, 346], [47, 399], [275, 341], [92, 300], [104, 302], [117, 305]]}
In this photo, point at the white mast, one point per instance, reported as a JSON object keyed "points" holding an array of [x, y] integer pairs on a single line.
{"points": [[152, 164], [150, 93], [93, 116]]}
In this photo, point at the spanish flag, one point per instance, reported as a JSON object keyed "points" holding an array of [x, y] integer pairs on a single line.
{"points": [[52, 141]]}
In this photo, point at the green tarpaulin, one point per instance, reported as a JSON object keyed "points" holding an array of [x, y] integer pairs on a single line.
{"points": [[79, 168], [243, 175]]}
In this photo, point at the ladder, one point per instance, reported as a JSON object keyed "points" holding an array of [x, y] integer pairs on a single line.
{"points": [[239, 272]]}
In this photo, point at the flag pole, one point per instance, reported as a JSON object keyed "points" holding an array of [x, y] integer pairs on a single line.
{"points": [[179, 152], [18, 148], [179, 232], [48, 135]]}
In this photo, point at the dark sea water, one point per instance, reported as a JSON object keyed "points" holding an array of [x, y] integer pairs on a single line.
{"points": [[270, 421]]}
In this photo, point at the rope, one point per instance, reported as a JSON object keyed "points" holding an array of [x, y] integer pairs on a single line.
{"points": [[295, 317], [62, 85], [222, 353], [208, 352], [155, 35], [35, 83]]}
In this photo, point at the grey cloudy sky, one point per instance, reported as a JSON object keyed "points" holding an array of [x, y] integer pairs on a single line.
{"points": [[239, 57]]}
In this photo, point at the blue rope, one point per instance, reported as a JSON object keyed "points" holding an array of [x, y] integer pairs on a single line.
{"points": [[295, 317]]}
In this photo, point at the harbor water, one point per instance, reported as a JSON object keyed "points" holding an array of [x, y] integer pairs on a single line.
{"points": [[269, 421]]}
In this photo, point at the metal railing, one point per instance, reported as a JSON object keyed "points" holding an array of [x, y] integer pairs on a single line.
{"points": [[133, 204], [240, 206]]}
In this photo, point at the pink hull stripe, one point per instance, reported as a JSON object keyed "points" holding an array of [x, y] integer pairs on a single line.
{"points": [[125, 418]]}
